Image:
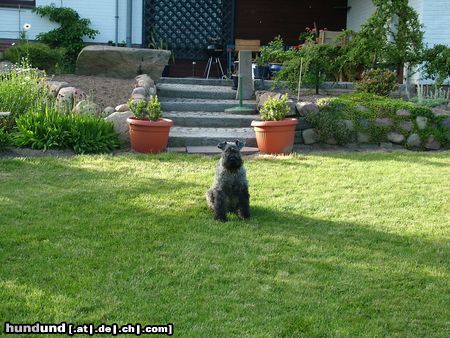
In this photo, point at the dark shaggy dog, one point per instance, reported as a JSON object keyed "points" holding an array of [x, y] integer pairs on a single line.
{"points": [[229, 192]]}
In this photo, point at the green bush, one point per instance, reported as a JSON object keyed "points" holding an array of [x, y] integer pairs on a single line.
{"points": [[377, 81], [363, 109], [275, 109], [329, 125], [4, 139], [46, 128], [39, 56], [21, 89]]}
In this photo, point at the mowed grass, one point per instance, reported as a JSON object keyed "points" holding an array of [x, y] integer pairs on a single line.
{"points": [[339, 245]]}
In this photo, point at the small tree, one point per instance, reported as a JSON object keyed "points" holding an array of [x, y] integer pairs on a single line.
{"points": [[69, 34], [391, 37]]}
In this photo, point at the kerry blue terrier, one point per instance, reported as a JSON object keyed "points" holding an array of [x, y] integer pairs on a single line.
{"points": [[229, 192]]}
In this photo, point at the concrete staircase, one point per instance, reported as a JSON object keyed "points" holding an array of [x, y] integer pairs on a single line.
{"points": [[197, 108]]}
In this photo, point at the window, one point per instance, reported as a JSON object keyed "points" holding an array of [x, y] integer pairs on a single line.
{"points": [[17, 3]]}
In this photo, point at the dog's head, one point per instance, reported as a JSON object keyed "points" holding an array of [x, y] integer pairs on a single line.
{"points": [[231, 154]]}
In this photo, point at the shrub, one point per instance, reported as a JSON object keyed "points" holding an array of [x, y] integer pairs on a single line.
{"points": [[146, 110], [275, 109], [4, 139], [318, 63], [377, 81], [329, 125], [273, 53], [69, 34], [363, 109], [46, 128], [21, 89], [39, 56]]}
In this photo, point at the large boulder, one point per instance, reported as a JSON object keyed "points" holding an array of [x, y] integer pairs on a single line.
{"points": [[121, 62]]}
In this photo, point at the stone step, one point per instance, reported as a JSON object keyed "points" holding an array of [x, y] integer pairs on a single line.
{"points": [[195, 136], [209, 150], [210, 119], [176, 90], [206, 105], [196, 81]]}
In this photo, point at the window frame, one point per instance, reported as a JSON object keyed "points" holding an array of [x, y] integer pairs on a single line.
{"points": [[17, 3]]}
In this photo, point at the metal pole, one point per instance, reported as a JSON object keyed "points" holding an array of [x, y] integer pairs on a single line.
{"points": [[117, 22], [129, 22]]}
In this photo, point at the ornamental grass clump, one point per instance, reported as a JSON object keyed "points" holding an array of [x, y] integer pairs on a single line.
{"points": [[275, 109], [21, 88], [45, 127], [146, 110]]}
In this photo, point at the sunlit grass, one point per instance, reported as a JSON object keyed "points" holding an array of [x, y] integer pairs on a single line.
{"points": [[344, 245]]}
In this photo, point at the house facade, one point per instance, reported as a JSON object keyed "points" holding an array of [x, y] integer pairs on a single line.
{"points": [[188, 26], [434, 15]]}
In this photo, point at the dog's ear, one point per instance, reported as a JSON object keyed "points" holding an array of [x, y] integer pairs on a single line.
{"points": [[222, 145], [240, 144]]}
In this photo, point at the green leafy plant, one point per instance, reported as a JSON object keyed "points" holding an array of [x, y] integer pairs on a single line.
{"points": [[362, 109], [4, 139], [329, 125], [39, 56], [275, 109], [69, 34], [274, 52], [377, 81], [46, 128], [437, 64], [143, 110], [20, 89], [309, 35], [317, 65]]}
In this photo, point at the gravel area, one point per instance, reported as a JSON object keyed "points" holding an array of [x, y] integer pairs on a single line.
{"points": [[104, 91]]}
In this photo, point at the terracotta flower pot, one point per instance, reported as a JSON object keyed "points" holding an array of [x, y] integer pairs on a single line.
{"points": [[275, 137], [149, 136]]}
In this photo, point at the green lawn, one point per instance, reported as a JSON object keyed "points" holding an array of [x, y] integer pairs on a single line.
{"points": [[339, 245]]}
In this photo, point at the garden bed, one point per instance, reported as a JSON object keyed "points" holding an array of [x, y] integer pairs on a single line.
{"points": [[104, 91]]}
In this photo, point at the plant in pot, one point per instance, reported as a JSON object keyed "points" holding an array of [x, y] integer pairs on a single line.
{"points": [[149, 133], [275, 133], [262, 70], [274, 54]]}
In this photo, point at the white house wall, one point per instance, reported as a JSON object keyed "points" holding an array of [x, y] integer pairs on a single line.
{"points": [[101, 13]]}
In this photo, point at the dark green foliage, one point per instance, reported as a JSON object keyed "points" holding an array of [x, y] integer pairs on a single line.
{"points": [[69, 34], [39, 55], [363, 109], [274, 52], [329, 125], [4, 139], [377, 81], [46, 128], [437, 63], [317, 65]]}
